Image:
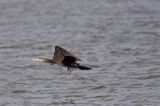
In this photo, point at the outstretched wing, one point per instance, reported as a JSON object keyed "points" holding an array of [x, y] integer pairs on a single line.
{"points": [[60, 53]]}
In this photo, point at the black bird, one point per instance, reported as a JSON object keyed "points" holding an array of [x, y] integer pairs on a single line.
{"points": [[65, 58]]}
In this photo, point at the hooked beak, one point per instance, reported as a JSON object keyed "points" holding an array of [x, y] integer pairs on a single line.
{"points": [[38, 60]]}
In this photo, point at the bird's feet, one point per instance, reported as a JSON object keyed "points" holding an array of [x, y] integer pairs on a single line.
{"points": [[52, 64], [69, 70]]}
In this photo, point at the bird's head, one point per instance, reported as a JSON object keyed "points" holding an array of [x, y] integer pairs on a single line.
{"points": [[44, 60]]}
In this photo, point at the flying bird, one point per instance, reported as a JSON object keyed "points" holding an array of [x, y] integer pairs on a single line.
{"points": [[64, 58]]}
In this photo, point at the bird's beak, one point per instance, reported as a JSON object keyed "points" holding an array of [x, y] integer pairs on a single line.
{"points": [[38, 60]]}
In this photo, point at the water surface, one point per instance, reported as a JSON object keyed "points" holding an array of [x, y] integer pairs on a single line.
{"points": [[120, 39]]}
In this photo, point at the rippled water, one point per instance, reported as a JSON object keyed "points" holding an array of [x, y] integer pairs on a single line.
{"points": [[120, 39]]}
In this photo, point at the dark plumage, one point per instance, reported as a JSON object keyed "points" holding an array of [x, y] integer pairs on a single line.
{"points": [[62, 56]]}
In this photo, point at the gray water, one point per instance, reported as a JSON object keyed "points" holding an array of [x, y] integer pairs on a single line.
{"points": [[119, 39]]}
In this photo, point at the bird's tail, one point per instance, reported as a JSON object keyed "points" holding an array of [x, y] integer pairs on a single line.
{"points": [[84, 68]]}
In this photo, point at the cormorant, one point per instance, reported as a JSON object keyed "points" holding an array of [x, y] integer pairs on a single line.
{"points": [[62, 56]]}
